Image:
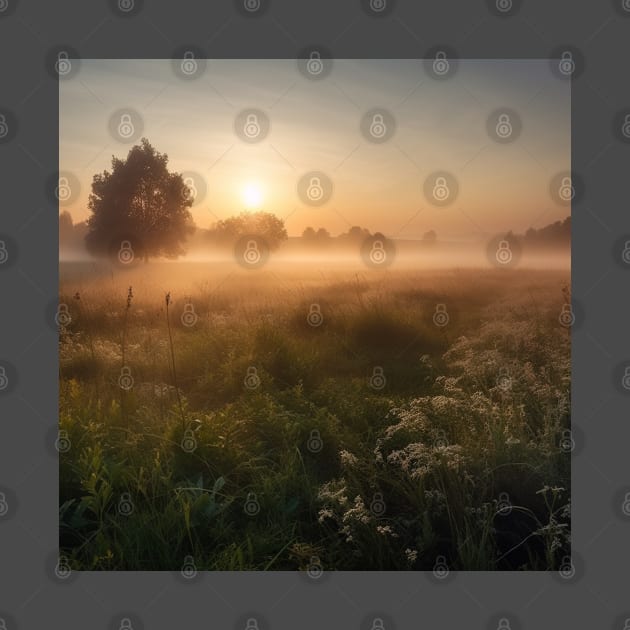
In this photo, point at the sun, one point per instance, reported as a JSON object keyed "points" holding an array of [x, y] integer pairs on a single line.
{"points": [[252, 195]]}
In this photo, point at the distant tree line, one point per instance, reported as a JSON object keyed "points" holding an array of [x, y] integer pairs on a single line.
{"points": [[555, 235], [140, 202], [558, 233]]}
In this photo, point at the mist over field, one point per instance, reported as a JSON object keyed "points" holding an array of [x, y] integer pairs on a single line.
{"points": [[314, 414], [315, 326], [409, 254]]}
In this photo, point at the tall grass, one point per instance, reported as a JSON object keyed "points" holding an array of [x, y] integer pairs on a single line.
{"points": [[457, 456]]}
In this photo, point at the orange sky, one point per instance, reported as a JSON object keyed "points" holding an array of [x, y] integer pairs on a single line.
{"points": [[315, 126]]}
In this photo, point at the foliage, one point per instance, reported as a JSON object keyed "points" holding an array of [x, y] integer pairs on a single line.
{"points": [[263, 224], [141, 202], [470, 413]]}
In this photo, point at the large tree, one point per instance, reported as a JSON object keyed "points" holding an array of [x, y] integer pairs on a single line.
{"points": [[139, 202]]}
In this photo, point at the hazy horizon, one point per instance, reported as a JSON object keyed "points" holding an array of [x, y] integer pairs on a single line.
{"points": [[315, 126]]}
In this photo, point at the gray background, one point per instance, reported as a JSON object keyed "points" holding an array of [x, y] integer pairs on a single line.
{"points": [[598, 594]]}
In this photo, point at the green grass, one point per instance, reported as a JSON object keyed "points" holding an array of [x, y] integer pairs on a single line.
{"points": [[469, 413]]}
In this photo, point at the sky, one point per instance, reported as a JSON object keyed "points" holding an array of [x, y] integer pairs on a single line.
{"points": [[315, 126]]}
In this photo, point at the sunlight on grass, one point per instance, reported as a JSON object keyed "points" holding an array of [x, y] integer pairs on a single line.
{"points": [[253, 439]]}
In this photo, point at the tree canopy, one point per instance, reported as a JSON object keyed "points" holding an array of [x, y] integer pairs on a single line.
{"points": [[264, 224], [140, 202]]}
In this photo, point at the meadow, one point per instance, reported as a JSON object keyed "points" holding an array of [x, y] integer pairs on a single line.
{"points": [[313, 415]]}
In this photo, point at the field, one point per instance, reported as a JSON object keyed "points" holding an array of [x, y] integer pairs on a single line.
{"points": [[313, 415]]}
